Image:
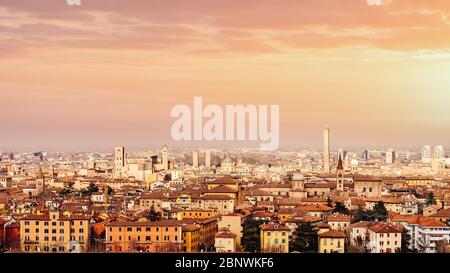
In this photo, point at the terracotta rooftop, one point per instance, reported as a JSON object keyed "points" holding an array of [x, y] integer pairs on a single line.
{"points": [[224, 180], [332, 234], [443, 213], [384, 228], [274, 227], [222, 189], [338, 217]]}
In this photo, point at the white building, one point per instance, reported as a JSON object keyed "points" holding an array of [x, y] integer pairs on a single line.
{"points": [[384, 238], [426, 232], [195, 160], [390, 156], [440, 152], [225, 241], [426, 154], [208, 158], [165, 157]]}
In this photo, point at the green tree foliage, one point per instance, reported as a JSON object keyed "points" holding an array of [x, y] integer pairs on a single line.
{"points": [[431, 200], [379, 213], [341, 208], [68, 189], [305, 239], [153, 215], [92, 188], [406, 241], [251, 237]]}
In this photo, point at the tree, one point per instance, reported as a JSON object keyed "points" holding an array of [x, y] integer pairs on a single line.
{"points": [[360, 215], [420, 208], [304, 239], [380, 212], [406, 241], [431, 200], [89, 190], [251, 237], [68, 189], [341, 208], [153, 215], [92, 188]]}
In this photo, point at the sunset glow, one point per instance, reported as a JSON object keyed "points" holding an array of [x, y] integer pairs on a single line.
{"points": [[108, 72]]}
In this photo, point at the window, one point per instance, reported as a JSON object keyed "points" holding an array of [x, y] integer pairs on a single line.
{"points": [[129, 229], [61, 224], [27, 223], [27, 230], [37, 230], [148, 238], [148, 229]]}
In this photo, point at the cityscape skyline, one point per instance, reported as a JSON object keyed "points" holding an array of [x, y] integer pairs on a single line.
{"points": [[247, 129]]}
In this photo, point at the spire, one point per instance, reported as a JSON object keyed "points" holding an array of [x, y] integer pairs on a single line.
{"points": [[339, 166], [40, 175]]}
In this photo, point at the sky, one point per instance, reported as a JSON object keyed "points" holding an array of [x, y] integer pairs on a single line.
{"points": [[109, 72]]}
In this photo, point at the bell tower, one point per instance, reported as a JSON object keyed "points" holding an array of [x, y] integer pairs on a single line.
{"points": [[340, 175], [40, 182]]}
